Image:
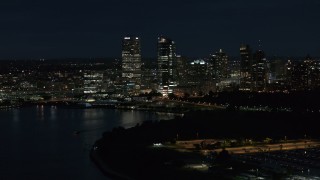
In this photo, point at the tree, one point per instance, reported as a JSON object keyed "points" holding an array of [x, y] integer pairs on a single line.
{"points": [[186, 95], [172, 96], [154, 93], [223, 157], [211, 94]]}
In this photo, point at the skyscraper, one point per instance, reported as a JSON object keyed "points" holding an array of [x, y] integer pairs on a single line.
{"points": [[297, 75], [220, 65], [245, 68], [259, 71], [182, 63], [197, 72], [131, 64], [166, 65], [304, 75]]}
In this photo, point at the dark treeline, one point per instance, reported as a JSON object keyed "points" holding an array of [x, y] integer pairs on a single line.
{"points": [[220, 124], [125, 150]]}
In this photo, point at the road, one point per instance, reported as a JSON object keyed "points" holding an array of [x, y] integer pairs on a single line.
{"points": [[291, 145]]}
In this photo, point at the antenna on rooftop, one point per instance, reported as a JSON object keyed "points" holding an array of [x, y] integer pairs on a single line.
{"points": [[260, 44]]}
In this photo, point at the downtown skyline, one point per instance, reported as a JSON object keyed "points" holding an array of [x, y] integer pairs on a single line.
{"points": [[83, 29]]}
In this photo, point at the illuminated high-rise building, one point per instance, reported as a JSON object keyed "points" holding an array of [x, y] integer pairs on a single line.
{"points": [[313, 73], [220, 65], [259, 71], [303, 75], [131, 64], [166, 65], [277, 74], [297, 75], [198, 71], [92, 82], [245, 68], [182, 63]]}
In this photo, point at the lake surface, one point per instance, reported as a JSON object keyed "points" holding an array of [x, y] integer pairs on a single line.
{"points": [[39, 142]]}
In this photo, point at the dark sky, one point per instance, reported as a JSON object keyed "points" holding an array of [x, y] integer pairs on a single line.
{"points": [[94, 28]]}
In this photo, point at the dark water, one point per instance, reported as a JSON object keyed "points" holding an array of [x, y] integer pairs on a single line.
{"points": [[39, 142]]}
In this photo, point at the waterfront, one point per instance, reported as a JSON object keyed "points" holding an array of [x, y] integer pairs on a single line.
{"points": [[38, 142]]}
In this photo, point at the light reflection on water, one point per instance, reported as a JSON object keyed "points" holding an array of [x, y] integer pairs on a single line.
{"points": [[15, 114], [40, 112], [53, 112], [39, 143], [130, 118]]}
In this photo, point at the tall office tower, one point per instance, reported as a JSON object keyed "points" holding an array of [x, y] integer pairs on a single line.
{"points": [[277, 68], [288, 73], [166, 65], [198, 80], [220, 65], [298, 75], [245, 68], [197, 72], [234, 68], [277, 74], [259, 71], [182, 63], [131, 64], [148, 77], [312, 72]]}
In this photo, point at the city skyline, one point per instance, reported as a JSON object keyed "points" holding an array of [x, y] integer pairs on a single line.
{"points": [[170, 89], [69, 107], [93, 29]]}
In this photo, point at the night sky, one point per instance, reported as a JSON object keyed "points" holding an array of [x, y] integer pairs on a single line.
{"points": [[94, 28]]}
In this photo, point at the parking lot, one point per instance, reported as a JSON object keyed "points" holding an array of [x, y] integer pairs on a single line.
{"points": [[304, 162]]}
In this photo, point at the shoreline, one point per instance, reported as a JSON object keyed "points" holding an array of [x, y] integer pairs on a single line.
{"points": [[103, 167], [188, 128], [161, 110]]}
